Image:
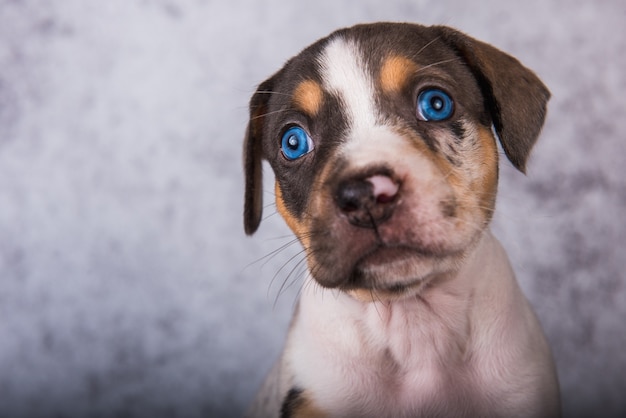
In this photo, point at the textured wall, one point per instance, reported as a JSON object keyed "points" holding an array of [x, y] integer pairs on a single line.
{"points": [[127, 287]]}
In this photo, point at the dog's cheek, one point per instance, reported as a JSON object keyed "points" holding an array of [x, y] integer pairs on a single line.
{"points": [[487, 168], [298, 226], [468, 161], [477, 184]]}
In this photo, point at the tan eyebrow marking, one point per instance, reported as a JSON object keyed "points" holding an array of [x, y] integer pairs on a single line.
{"points": [[308, 97], [395, 72]]}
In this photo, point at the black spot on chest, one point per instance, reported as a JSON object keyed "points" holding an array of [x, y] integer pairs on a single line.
{"points": [[291, 403]]}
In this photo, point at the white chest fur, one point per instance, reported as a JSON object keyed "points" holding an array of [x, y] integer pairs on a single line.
{"points": [[463, 347]]}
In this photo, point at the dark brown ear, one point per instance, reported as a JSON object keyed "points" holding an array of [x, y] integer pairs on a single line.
{"points": [[252, 158], [514, 95]]}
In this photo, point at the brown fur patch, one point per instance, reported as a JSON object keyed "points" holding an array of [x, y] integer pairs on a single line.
{"points": [[308, 97], [489, 181], [298, 227], [307, 410], [395, 72]]}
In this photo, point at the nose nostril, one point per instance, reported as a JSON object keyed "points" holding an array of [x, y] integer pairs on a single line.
{"points": [[384, 198], [353, 195], [383, 188]]}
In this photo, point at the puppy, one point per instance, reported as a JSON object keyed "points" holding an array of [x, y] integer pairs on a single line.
{"points": [[382, 139]]}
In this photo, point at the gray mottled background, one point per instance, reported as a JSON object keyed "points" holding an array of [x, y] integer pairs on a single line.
{"points": [[127, 287]]}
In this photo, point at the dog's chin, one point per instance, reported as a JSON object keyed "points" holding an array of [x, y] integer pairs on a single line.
{"points": [[391, 273]]}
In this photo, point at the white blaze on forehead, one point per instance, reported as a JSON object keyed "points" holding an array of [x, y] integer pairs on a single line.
{"points": [[344, 73]]}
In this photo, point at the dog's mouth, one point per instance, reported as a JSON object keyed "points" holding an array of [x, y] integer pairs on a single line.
{"points": [[394, 270]]}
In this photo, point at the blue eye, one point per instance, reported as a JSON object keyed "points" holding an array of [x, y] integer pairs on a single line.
{"points": [[296, 143], [434, 105]]}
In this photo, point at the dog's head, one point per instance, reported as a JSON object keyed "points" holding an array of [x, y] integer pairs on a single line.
{"points": [[380, 137]]}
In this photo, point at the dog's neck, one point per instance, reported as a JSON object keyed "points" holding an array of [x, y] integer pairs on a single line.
{"points": [[427, 349], [437, 323]]}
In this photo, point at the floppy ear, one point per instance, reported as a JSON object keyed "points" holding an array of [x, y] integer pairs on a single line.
{"points": [[514, 95], [252, 158]]}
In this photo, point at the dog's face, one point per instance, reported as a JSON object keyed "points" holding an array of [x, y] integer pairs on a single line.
{"points": [[380, 137]]}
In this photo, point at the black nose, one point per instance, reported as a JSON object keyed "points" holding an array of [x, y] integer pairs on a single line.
{"points": [[369, 201]]}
